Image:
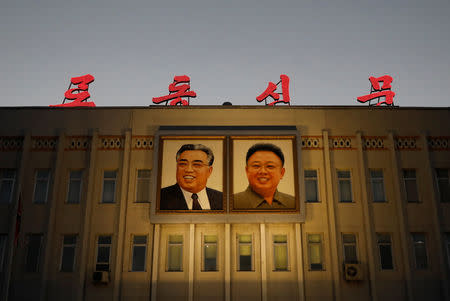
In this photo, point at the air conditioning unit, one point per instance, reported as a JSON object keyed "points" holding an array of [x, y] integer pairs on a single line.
{"points": [[353, 271], [100, 277]]}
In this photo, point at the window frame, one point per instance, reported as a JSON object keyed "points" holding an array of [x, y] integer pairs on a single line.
{"points": [[175, 244], [238, 253], [133, 245], [102, 201], [316, 179], [3, 179], [349, 179], [98, 244], [148, 185], [74, 246], [49, 175], [81, 186], [391, 248], [204, 245], [373, 181], [405, 179], [283, 244], [320, 244]]}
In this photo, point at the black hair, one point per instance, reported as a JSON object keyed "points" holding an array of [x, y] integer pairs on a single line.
{"points": [[265, 147]]}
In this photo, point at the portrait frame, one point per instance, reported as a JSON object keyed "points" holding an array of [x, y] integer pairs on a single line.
{"points": [[239, 183], [168, 146]]}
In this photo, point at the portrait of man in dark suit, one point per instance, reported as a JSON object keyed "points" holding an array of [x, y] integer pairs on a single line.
{"points": [[194, 165]]}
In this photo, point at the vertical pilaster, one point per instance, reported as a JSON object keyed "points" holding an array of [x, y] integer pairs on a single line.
{"points": [[436, 222], [26, 147], [369, 225], [227, 263], [53, 205], [402, 216], [263, 263], [121, 225], [332, 227], [86, 230], [155, 260], [191, 262], [299, 254]]}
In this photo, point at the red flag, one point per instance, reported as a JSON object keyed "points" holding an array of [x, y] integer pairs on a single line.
{"points": [[18, 220]]}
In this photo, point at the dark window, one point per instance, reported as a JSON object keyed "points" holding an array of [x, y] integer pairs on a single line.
{"points": [[409, 179], [3, 245], [280, 252], [175, 253], [311, 186], [377, 183], [420, 250], [34, 242], [109, 186], [443, 184], [245, 251], [143, 186], [139, 253], [350, 249], [385, 251], [345, 186], [315, 252], [74, 192], [41, 186], [7, 177], [68, 253], [103, 253], [210, 252]]}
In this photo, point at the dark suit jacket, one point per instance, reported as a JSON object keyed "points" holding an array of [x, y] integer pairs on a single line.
{"points": [[172, 198]]}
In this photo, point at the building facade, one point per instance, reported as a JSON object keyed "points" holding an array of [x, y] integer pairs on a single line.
{"points": [[80, 214]]}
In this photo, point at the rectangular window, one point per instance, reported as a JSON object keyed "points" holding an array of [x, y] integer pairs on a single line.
{"points": [[443, 184], [3, 246], [103, 253], [420, 250], [210, 252], [350, 249], [315, 252], [34, 244], [74, 191], [7, 177], [41, 186], [280, 252], [311, 186], [139, 253], [385, 251], [175, 253], [143, 186], [410, 182], [109, 186], [345, 186], [377, 183], [245, 251], [68, 253], [447, 247]]}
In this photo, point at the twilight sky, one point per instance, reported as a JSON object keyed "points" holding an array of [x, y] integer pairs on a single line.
{"points": [[230, 49]]}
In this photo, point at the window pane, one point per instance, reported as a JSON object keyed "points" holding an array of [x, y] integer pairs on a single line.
{"points": [[245, 252], [103, 254], [73, 196], [281, 257], [386, 257], [6, 187], [176, 239], [210, 238], [140, 239], [345, 190], [104, 239], [110, 174], [420, 250], [210, 257], [411, 190], [350, 254], [139, 258], [3, 243], [108, 191], [245, 238], [33, 252], [245, 263], [343, 174], [443, 184], [68, 259], [175, 257], [40, 191], [315, 251], [311, 190], [310, 174]]}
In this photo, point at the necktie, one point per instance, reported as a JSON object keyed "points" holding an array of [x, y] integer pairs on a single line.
{"points": [[195, 203]]}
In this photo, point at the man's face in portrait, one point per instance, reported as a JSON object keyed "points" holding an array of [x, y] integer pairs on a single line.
{"points": [[193, 170], [264, 171]]}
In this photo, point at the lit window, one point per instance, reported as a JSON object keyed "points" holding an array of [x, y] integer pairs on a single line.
{"points": [[175, 253], [143, 186], [7, 177], [41, 186], [210, 252], [280, 252], [74, 192], [34, 242], [420, 250], [315, 252], [410, 182], [68, 253], [377, 183], [385, 251], [109, 186], [103, 253], [139, 253], [245, 251], [3, 246], [443, 184], [345, 186], [350, 249], [311, 186]]}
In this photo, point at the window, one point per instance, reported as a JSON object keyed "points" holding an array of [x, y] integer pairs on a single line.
{"points": [[139, 253], [385, 251], [345, 186], [3, 246], [7, 177], [109, 186], [350, 249], [103, 253], [280, 252], [74, 192], [245, 251], [420, 250], [443, 184], [377, 183], [315, 252], [210, 252], [311, 186], [143, 186], [34, 242], [68, 253], [41, 185], [175, 253], [447, 247], [409, 179]]}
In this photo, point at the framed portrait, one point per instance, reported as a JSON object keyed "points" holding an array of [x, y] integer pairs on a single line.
{"points": [[264, 174], [191, 174]]}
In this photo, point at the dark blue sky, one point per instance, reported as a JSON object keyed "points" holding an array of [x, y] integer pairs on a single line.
{"points": [[230, 49]]}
